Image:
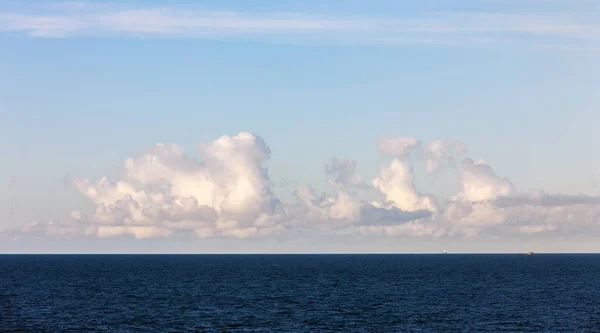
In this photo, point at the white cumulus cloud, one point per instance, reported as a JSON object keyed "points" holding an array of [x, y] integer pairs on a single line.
{"points": [[440, 153], [480, 182], [227, 192], [397, 184], [397, 146]]}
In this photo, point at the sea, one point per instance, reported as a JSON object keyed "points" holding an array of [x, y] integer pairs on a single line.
{"points": [[300, 293]]}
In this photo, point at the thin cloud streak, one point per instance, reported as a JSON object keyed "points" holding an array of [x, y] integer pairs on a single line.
{"points": [[88, 19]]}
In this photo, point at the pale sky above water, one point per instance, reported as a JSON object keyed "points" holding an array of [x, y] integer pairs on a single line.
{"points": [[87, 85]]}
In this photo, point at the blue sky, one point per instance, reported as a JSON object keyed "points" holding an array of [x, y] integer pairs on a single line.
{"points": [[84, 85]]}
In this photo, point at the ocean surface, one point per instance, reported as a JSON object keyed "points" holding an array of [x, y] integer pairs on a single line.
{"points": [[300, 293]]}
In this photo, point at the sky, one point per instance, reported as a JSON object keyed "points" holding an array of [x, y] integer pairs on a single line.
{"points": [[278, 126]]}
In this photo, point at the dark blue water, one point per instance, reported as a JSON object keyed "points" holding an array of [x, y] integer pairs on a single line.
{"points": [[300, 293]]}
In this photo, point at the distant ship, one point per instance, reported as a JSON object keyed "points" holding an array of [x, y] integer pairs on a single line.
{"points": [[444, 252], [529, 253]]}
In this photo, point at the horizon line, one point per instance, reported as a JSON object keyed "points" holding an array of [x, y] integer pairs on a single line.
{"points": [[295, 253]]}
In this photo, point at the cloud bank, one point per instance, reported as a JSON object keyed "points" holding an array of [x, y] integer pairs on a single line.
{"points": [[75, 19], [227, 192]]}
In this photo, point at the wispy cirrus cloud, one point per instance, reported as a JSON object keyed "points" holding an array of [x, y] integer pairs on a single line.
{"points": [[102, 19]]}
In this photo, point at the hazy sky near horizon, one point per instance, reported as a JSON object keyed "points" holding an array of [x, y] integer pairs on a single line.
{"points": [[299, 126]]}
